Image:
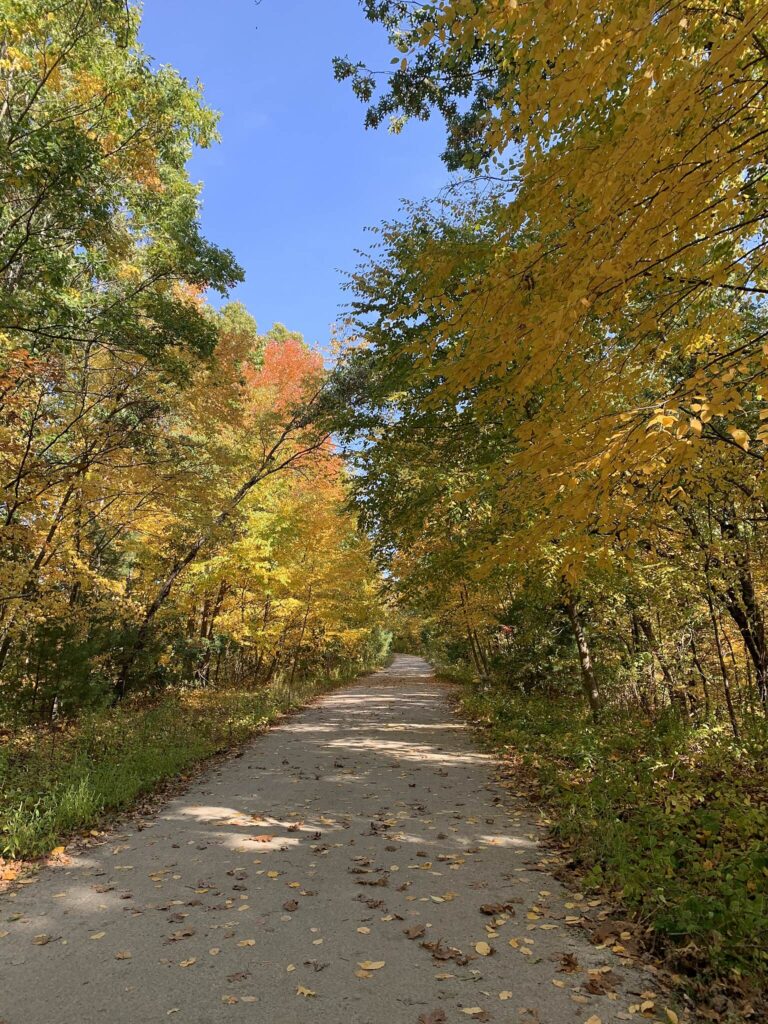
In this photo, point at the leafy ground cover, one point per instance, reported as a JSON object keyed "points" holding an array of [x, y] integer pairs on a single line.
{"points": [[671, 820], [54, 783]]}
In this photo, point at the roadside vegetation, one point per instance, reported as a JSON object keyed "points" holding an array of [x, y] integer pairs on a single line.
{"points": [[669, 819], [60, 781]]}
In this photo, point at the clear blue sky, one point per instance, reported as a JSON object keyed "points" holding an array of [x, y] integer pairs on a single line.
{"points": [[296, 178]]}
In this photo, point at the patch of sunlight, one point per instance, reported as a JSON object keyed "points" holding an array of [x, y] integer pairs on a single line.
{"points": [[404, 751], [505, 841], [241, 844]]}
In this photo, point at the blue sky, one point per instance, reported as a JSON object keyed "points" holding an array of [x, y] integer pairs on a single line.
{"points": [[296, 178]]}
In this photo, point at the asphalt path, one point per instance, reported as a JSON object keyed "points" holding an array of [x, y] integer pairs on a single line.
{"points": [[361, 863]]}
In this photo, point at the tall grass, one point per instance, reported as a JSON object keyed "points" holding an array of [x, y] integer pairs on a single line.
{"points": [[54, 783]]}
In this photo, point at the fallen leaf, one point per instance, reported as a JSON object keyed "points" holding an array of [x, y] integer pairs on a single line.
{"points": [[568, 964], [433, 1017], [416, 931], [123, 954], [41, 940], [188, 963], [98, 935], [229, 1000], [483, 949], [215, 951], [306, 992], [246, 942], [291, 906], [505, 995], [372, 965]]}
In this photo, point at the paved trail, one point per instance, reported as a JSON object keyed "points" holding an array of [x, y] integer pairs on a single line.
{"points": [[283, 870]]}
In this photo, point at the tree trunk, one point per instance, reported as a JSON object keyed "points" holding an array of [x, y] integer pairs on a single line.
{"points": [[721, 661], [301, 635], [588, 680], [743, 608], [675, 695]]}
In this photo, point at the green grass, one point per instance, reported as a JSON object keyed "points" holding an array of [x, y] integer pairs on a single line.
{"points": [[53, 784], [672, 820]]}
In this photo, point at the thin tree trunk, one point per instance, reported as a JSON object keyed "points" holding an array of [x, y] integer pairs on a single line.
{"points": [[676, 698], [588, 680], [301, 635], [702, 675], [721, 660]]}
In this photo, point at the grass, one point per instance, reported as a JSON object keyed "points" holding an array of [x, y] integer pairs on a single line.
{"points": [[671, 819], [54, 784]]}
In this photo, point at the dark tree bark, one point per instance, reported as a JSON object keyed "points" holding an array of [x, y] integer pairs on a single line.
{"points": [[588, 679]]}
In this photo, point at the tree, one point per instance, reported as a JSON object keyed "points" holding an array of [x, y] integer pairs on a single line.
{"points": [[565, 351]]}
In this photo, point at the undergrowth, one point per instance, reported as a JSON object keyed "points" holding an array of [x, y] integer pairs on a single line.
{"points": [[670, 817]]}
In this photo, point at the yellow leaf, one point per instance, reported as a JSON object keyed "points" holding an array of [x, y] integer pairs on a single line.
{"points": [[372, 965], [741, 437], [483, 949], [306, 992]]}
